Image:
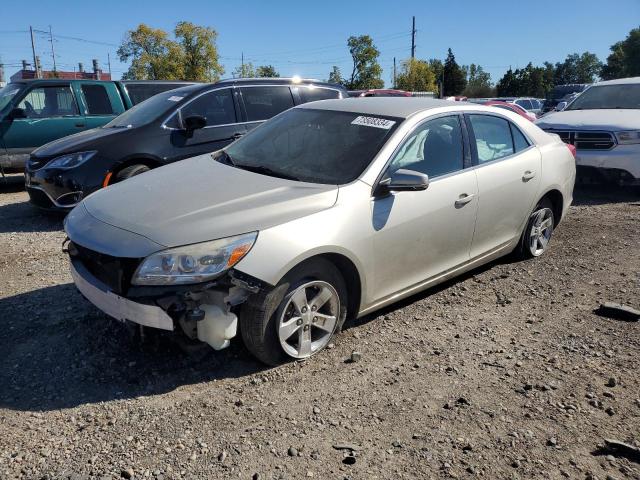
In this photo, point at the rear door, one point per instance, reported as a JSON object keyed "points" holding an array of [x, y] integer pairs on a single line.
{"points": [[51, 112], [219, 108], [508, 166], [261, 102], [100, 102]]}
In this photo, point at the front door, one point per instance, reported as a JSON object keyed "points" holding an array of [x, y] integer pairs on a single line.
{"points": [[222, 127], [508, 169], [419, 235], [51, 112]]}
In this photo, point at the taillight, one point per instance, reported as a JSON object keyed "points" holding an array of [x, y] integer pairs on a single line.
{"points": [[572, 149]]}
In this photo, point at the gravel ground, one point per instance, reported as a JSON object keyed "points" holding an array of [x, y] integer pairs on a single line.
{"points": [[503, 373]]}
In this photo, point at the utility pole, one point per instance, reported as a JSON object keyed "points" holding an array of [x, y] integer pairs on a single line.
{"points": [[394, 72], [33, 50], [242, 64], [109, 63], [53, 53], [413, 39]]}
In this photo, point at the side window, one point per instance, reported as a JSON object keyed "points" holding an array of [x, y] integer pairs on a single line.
{"points": [[216, 107], [526, 104], [519, 140], [263, 103], [43, 102], [493, 137], [434, 148], [310, 94], [97, 99]]}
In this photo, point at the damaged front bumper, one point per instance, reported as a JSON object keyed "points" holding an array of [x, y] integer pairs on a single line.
{"points": [[204, 312]]}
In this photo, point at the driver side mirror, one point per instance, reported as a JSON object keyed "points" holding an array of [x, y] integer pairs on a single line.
{"points": [[194, 122], [403, 180], [18, 113]]}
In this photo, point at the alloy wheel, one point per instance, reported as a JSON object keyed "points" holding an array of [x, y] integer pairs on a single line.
{"points": [[308, 319], [540, 232]]}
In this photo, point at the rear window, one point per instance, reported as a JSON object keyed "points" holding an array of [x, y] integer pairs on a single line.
{"points": [[311, 94], [262, 103], [97, 99]]}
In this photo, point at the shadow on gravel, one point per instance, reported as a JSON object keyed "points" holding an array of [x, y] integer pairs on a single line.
{"points": [[11, 183], [24, 217], [57, 351], [602, 194]]}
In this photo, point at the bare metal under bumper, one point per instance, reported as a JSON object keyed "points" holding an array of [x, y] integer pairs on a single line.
{"points": [[116, 306]]}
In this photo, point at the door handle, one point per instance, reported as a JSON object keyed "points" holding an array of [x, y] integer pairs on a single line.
{"points": [[80, 125], [236, 136], [464, 199], [528, 175]]}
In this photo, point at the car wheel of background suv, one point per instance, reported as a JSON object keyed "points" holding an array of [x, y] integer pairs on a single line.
{"points": [[131, 171], [537, 233], [299, 317]]}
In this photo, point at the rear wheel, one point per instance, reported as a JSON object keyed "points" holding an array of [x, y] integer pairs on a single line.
{"points": [[537, 234], [299, 317], [131, 171]]}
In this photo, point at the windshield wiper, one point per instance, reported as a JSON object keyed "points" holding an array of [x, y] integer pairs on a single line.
{"points": [[266, 171], [224, 158]]}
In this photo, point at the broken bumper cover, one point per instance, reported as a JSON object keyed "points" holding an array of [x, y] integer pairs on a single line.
{"points": [[116, 306]]}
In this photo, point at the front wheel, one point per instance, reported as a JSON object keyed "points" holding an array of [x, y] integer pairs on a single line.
{"points": [[299, 317], [537, 234], [131, 171]]}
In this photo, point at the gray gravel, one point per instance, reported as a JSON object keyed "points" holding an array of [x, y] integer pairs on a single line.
{"points": [[504, 373]]}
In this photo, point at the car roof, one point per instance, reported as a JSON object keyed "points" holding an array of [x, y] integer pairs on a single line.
{"points": [[278, 81], [401, 107], [620, 81]]}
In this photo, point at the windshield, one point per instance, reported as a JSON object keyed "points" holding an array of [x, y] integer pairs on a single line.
{"points": [[564, 90], [318, 146], [8, 92], [147, 111], [622, 96]]}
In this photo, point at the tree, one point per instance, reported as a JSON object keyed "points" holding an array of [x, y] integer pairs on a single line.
{"points": [[335, 76], [265, 71], [526, 82], [245, 70], [576, 68], [455, 79], [624, 60], [199, 53], [416, 76], [366, 70], [507, 85], [437, 67], [153, 55], [478, 82]]}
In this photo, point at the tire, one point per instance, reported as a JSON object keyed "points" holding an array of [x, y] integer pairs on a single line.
{"points": [[530, 247], [270, 315], [131, 171]]}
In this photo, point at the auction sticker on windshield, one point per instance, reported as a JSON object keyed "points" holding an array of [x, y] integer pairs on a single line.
{"points": [[175, 98], [374, 122]]}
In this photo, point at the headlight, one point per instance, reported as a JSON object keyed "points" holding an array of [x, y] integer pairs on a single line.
{"points": [[71, 160], [193, 263], [629, 137]]}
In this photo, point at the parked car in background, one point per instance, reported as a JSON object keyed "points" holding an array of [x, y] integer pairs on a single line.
{"points": [[559, 92], [512, 107], [330, 210], [528, 104], [379, 92], [168, 127], [603, 123], [35, 112]]}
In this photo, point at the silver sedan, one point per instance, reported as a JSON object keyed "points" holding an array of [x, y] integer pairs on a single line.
{"points": [[326, 212]]}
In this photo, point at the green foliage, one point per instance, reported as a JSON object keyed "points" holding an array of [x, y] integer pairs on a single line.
{"points": [[154, 56], [437, 67], [366, 71], [416, 76], [335, 76], [455, 78], [576, 68], [526, 82], [478, 83], [199, 55], [266, 71], [246, 70], [624, 60]]}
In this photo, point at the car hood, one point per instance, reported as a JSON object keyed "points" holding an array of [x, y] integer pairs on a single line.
{"points": [[76, 142], [605, 119], [200, 199]]}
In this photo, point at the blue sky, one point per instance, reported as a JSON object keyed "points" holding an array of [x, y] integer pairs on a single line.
{"points": [[307, 38]]}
